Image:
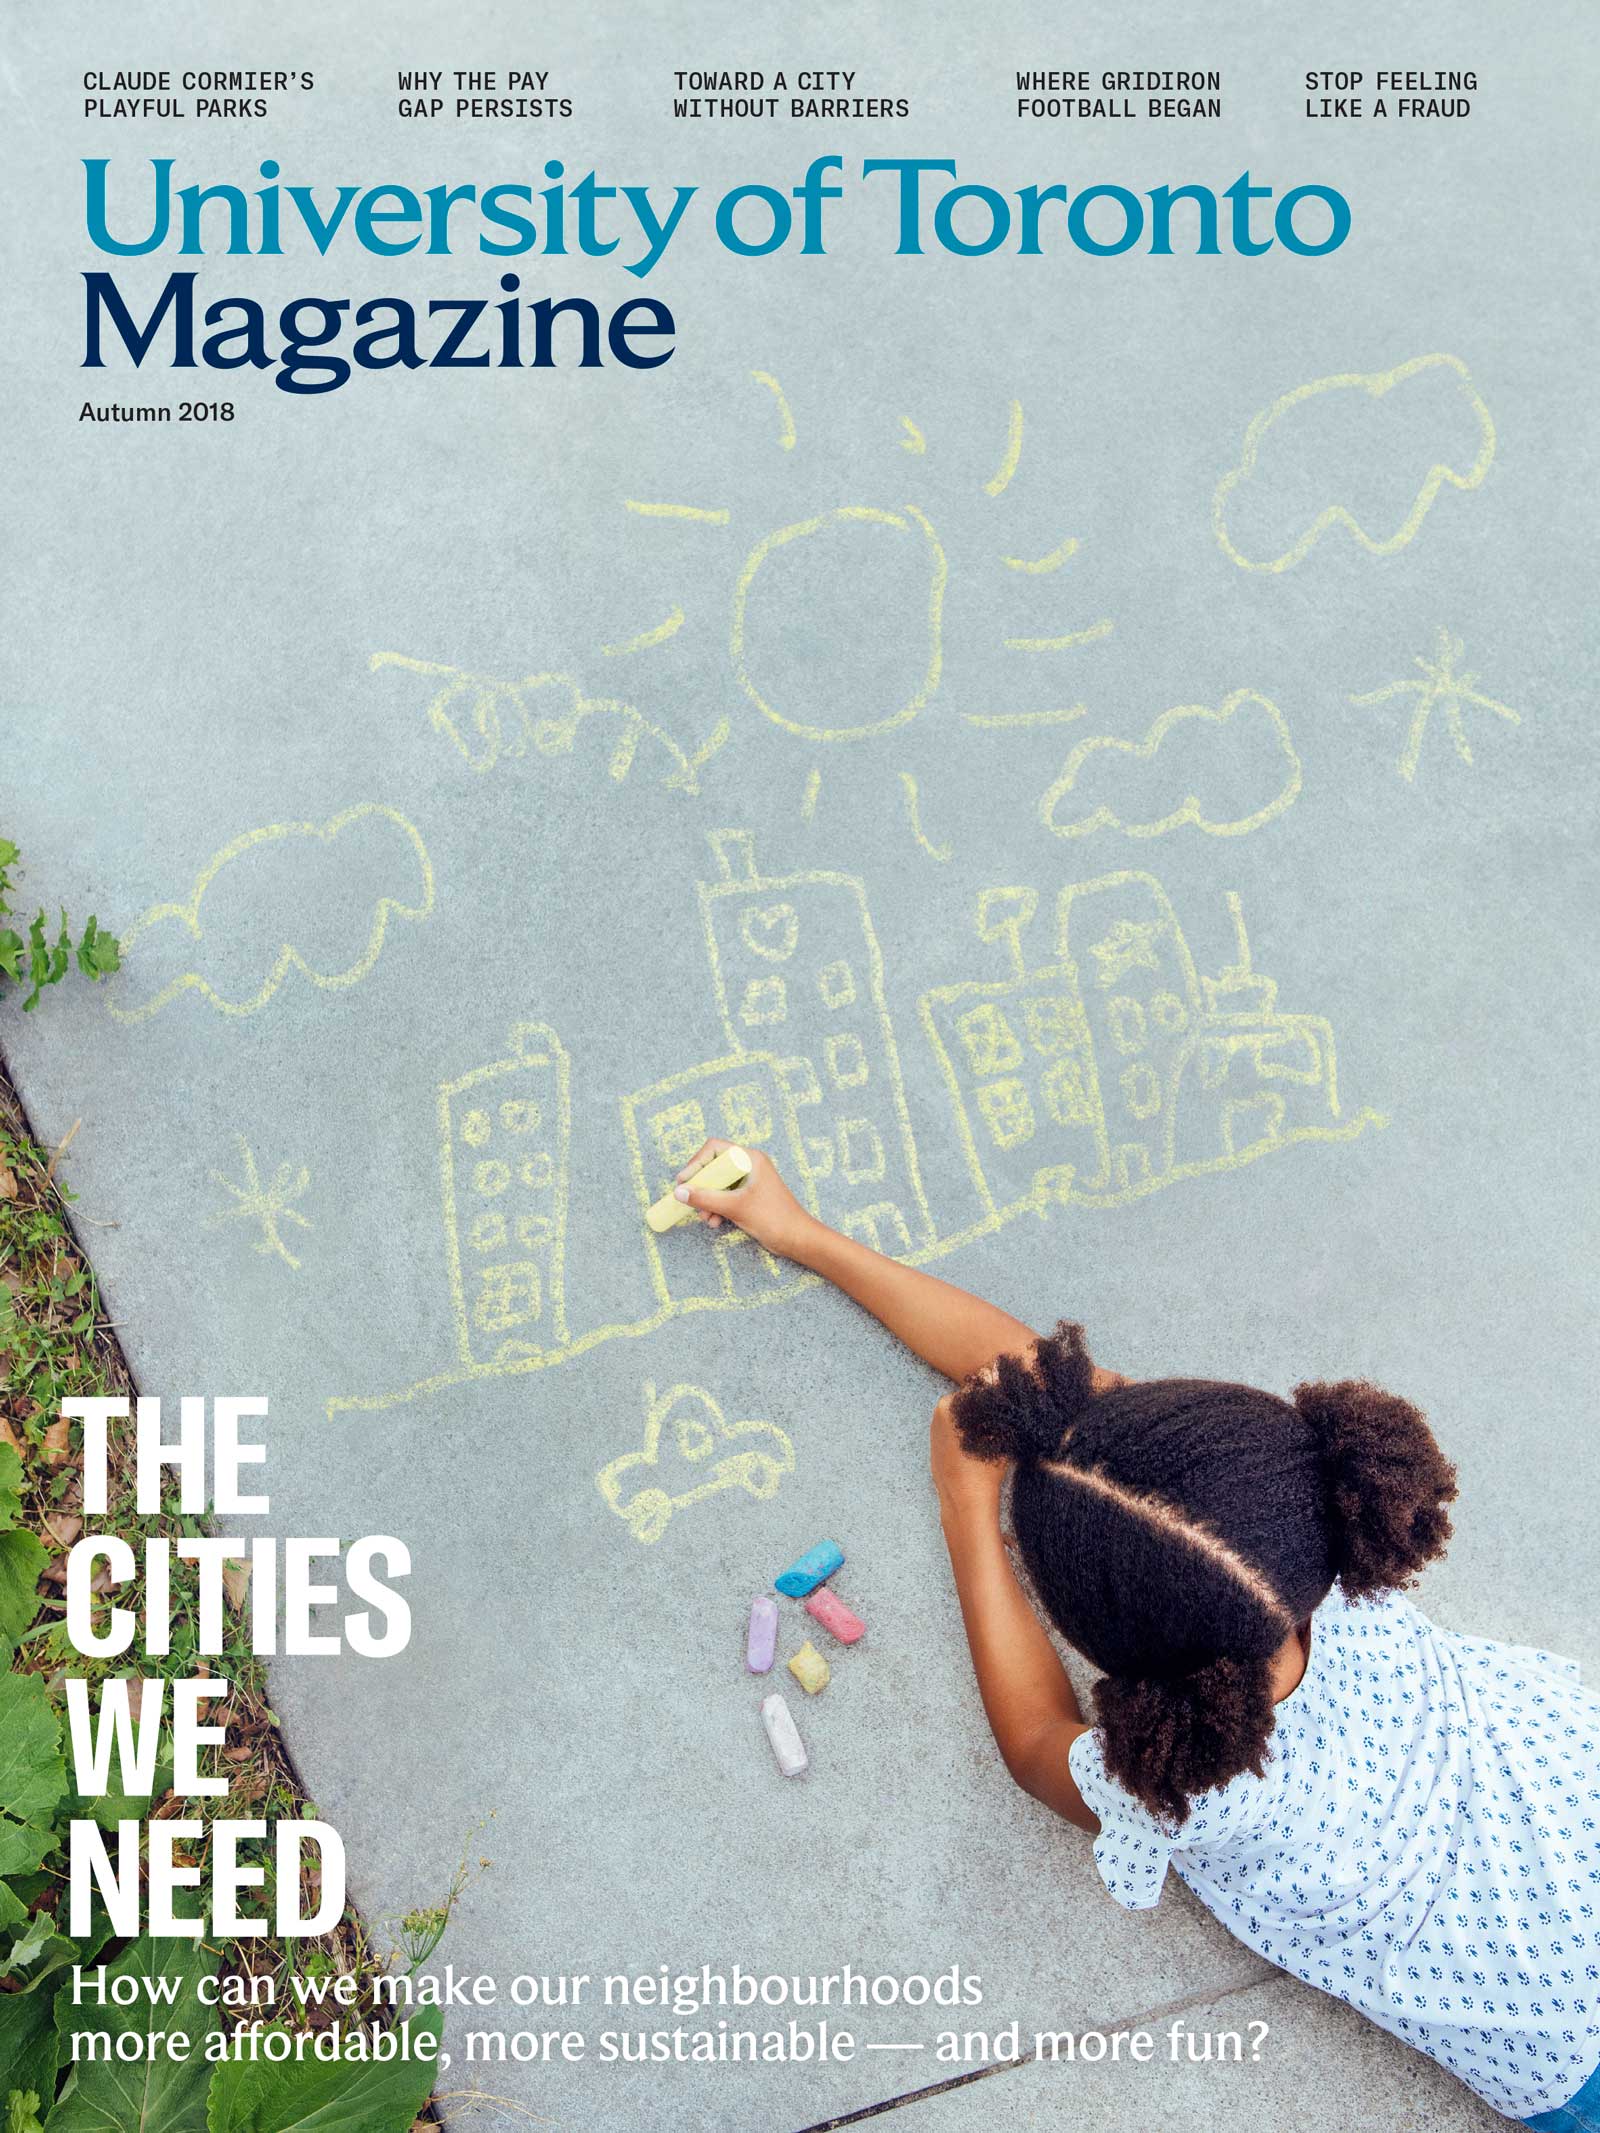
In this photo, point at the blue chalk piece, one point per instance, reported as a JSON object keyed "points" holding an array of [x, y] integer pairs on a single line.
{"points": [[807, 1571]]}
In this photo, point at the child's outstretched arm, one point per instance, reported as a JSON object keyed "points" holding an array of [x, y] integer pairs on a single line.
{"points": [[1028, 1700], [1027, 1697], [951, 1329]]}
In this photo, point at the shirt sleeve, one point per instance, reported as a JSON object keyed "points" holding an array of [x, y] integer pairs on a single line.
{"points": [[1131, 1851]]}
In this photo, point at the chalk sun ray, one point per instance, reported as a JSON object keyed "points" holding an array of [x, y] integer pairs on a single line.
{"points": [[647, 638], [1052, 561], [1091, 635], [786, 439], [694, 511], [1008, 466]]}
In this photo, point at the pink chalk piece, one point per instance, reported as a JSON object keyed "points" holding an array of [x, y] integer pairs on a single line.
{"points": [[761, 1639], [838, 1620]]}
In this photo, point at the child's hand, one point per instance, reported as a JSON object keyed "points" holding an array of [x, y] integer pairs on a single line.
{"points": [[763, 1206], [965, 1485]]}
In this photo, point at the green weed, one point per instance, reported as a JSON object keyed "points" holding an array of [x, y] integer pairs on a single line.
{"points": [[37, 960]]}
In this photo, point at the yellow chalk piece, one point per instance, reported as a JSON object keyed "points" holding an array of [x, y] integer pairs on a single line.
{"points": [[810, 1669], [729, 1168]]}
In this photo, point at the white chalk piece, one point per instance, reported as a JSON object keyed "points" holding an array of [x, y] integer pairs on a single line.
{"points": [[784, 1735], [727, 1168]]}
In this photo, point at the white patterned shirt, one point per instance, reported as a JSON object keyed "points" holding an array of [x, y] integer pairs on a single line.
{"points": [[1424, 1843]]}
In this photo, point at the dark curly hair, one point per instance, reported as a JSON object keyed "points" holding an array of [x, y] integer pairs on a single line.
{"points": [[1179, 1530]]}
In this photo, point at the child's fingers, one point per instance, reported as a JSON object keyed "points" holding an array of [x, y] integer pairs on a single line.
{"points": [[715, 1204], [713, 1208], [701, 1156]]}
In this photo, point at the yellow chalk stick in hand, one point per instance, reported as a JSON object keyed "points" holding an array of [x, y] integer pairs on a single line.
{"points": [[810, 1669], [725, 1170]]}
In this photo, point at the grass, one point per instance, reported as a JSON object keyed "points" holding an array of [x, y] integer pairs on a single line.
{"points": [[54, 1344]]}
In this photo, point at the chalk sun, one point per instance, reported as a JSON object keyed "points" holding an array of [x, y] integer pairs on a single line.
{"points": [[821, 675]]}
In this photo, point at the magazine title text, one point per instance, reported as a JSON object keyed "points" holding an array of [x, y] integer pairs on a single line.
{"points": [[316, 342]]}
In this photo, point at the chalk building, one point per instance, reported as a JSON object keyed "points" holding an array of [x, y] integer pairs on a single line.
{"points": [[812, 1073], [1116, 1068]]}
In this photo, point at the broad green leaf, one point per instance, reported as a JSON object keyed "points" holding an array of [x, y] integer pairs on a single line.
{"points": [[30, 1942], [22, 1563], [33, 1777], [10, 1485], [47, 962], [322, 2096], [24, 1846], [146, 2095], [57, 1950], [110, 1808], [28, 2044], [38, 962], [98, 953]]}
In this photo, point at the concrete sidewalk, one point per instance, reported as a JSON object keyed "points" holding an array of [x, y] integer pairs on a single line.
{"points": [[1350, 2078], [479, 771]]}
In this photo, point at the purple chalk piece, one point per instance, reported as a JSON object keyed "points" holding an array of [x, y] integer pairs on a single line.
{"points": [[761, 1640]]}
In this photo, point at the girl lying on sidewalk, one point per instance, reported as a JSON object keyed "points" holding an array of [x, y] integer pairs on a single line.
{"points": [[1407, 1817]]}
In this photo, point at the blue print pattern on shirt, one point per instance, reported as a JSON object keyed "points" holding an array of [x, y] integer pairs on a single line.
{"points": [[1424, 1844]]}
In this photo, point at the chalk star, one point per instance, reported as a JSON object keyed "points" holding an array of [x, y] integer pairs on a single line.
{"points": [[269, 1205], [1443, 689], [1129, 945]]}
